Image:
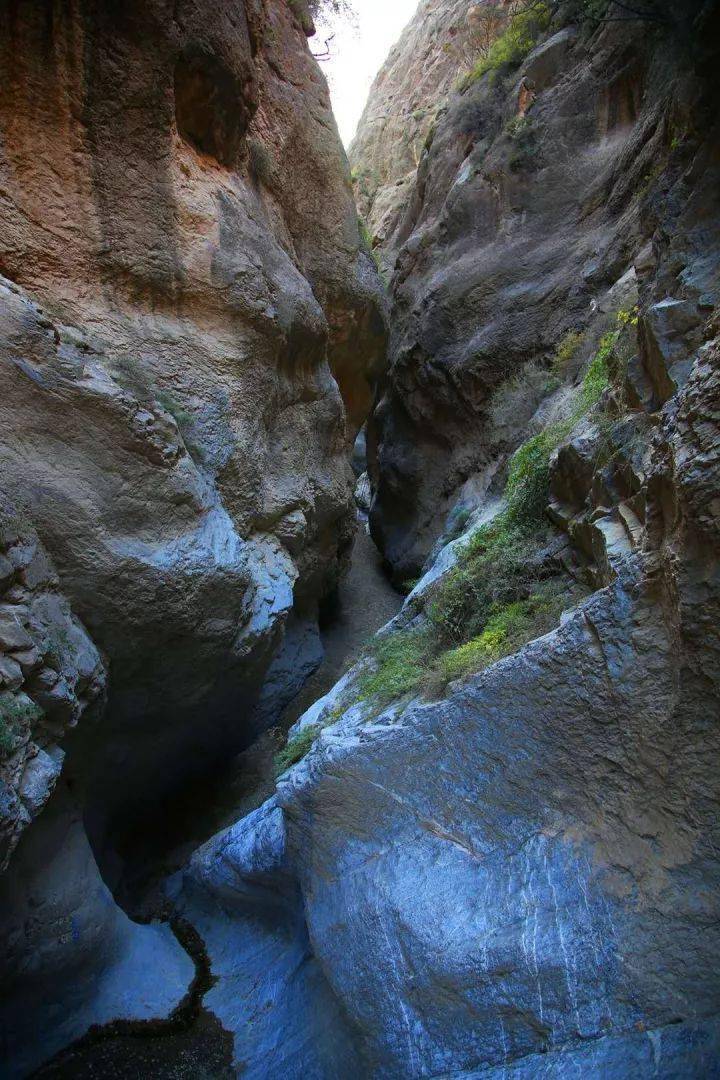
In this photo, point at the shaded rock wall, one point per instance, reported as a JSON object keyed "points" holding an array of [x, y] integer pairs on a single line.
{"points": [[519, 876], [525, 212], [50, 672], [182, 275], [188, 328], [522, 874]]}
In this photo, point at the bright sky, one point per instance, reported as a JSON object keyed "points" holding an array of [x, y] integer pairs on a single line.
{"points": [[358, 53]]}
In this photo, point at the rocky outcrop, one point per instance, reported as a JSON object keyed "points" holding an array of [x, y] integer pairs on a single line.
{"points": [[517, 874], [409, 91], [521, 875], [50, 673], [524, 214], [190, 327], [170, 304]]}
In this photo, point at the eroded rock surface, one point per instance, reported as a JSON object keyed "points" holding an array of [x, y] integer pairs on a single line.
{"points": [[50, 673], [518, 876], [522, 875], [188, 330], [524, 215], [406, 96]]}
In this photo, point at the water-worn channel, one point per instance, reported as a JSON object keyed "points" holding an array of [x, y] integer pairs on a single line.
{"points": [[192, 1043]]}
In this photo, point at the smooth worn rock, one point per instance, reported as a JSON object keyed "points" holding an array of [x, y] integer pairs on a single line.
{"points": [[174, 308], [524, 229], [71, 958], [190, 328]]}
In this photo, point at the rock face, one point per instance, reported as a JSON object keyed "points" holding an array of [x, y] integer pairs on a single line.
{"points": [[525, 211], [51, 674], [187, 317], [520, 876], [171, 299], [404, 101]]}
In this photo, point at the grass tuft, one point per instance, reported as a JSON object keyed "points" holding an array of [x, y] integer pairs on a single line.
{"points": [[17, 711], [400, 664], [296, 748]]}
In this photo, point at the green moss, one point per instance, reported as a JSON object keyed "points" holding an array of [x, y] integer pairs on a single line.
{"points": [[512, 46], [296, 748]]}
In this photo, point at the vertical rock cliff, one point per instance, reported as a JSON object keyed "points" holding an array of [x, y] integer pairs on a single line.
{"points": [[497, 846], [405, 98], [491, 848], [188, 318]]}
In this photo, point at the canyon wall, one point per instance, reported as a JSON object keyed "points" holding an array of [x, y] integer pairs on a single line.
{"points": [[404, 100], [498, 853], [188, 335], [537, 192]]}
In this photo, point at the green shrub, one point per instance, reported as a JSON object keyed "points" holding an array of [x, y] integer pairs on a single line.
{"points": [[400, 663], [597, 377], [529, 477], [505, 631], [528, 481], [566, 352], [296, 748], [512, 46], [366, 243], [16, 712], [495, 568], [497, 596]]}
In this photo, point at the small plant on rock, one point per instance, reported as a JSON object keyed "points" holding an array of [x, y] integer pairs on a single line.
{"points": [[566, 352], [17, 712], [512, 46], [400, 663], [296, 748]]}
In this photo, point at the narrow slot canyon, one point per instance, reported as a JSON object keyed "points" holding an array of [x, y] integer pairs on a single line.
{"points": [[359, 540]]}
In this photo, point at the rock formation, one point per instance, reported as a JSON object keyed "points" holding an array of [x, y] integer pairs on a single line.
{"points": [[518, 225], [492, 849], [405, 98], [182, 277], [516, 873]]}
